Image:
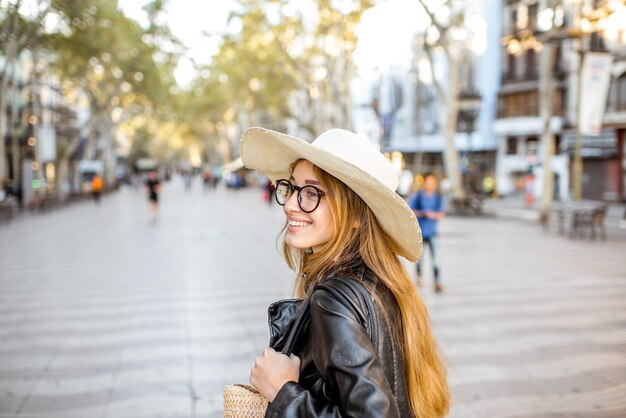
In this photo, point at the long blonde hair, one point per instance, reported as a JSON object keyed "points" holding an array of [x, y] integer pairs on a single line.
{"points": [[359, 238]]}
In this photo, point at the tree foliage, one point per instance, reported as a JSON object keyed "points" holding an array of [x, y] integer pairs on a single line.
{"points": [[284, 66], [120, 66], [113, 58], [278, 66]]}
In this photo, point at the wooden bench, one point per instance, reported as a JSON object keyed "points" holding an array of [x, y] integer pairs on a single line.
{"points": [[467, 205], [43, 204], [7, 211], [589, 219], [582, 220]]}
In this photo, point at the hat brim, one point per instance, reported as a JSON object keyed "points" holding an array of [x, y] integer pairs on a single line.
{"points": [[273, 153]]}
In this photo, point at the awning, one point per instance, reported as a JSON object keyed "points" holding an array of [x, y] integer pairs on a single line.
{"points": [[144, 164]]}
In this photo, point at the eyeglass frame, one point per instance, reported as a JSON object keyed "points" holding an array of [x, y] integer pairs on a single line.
{"points": [[292, 188]]}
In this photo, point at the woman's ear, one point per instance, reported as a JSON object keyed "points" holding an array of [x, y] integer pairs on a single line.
{"points": [[356, 224]]}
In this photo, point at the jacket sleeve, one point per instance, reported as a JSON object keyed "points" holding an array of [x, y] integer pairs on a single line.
{"points": [[346, 359]]}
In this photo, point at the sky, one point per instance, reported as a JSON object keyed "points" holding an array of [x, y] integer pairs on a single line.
{"points": [[380, 47], [189, 20]]}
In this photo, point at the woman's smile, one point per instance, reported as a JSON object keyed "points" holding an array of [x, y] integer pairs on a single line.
{"points": [[297, 224]]}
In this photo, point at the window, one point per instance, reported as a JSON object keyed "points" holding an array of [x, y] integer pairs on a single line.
{"points": [[513, 20], [519, 104], [510, 67], [511, 145], [558, 58], [532, 145], [558, 102], [596, 43], [532, 16], [532, 69], [621, 94], [616, 98]]}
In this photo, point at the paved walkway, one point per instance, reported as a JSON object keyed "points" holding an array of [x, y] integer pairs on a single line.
{"points": [[104, 314]]}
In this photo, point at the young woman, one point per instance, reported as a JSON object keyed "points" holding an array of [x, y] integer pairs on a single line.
{"points": [[368, 350]]}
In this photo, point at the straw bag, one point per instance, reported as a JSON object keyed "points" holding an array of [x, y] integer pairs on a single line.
{"points": [[243, 401]]}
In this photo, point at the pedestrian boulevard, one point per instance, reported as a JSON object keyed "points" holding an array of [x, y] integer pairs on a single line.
{"points": [[106, 314]]}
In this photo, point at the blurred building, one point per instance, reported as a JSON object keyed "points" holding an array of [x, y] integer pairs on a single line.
{"points": [[519, 126], [40, 121], [14, 135], [615, 119]]}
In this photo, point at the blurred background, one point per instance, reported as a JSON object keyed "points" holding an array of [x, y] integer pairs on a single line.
{"points": [[112, 307]]}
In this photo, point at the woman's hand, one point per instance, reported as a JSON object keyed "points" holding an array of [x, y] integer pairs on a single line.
{"points": [[272, 370]]}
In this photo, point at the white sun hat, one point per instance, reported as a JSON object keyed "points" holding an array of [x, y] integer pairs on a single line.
{"points": [[349, 157]]}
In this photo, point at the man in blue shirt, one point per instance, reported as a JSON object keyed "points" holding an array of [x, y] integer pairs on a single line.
{"points": [[429, 209]]}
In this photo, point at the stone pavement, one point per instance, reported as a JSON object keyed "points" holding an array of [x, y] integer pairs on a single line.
{"points": [[104, 314]]}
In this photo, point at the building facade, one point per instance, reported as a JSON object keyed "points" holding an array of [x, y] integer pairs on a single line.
{"points": [[614, 171], [519, 126], [40, 122]]}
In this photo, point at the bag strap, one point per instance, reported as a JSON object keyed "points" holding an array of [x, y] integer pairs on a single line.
{"points": [[304, 317], [357, 287], [299, 324]]}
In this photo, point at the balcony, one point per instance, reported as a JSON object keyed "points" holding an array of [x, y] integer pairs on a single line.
{"points": [[528, 109]]}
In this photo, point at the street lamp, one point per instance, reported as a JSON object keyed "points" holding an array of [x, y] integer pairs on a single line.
{"points": [[469, 109]]}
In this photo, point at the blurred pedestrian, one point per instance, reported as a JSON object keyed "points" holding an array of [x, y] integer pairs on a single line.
{"points": [[367, 348], [152, 187], [529, 187], [9, 191], [428, 206], [217, 176], [96, 187], [270, 192], [207, 178], [187, 177]]}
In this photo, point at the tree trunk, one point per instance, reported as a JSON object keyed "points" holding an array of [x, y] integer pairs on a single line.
{"points": [[61, 176], [65, 154], [577, 163], [341, 91], [9, 63], [92, 139], [93, 125], [547, 137], [10, 56], [14, 129], [451, 155], [108, 150], [3, 126], [448, 97], [63, 165], [37, 111]]}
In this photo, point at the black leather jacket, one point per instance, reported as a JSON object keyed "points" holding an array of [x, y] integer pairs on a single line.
{"points": [[342, 373]]}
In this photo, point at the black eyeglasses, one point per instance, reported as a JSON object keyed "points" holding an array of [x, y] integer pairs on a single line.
{"points": [[308, 196]]}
